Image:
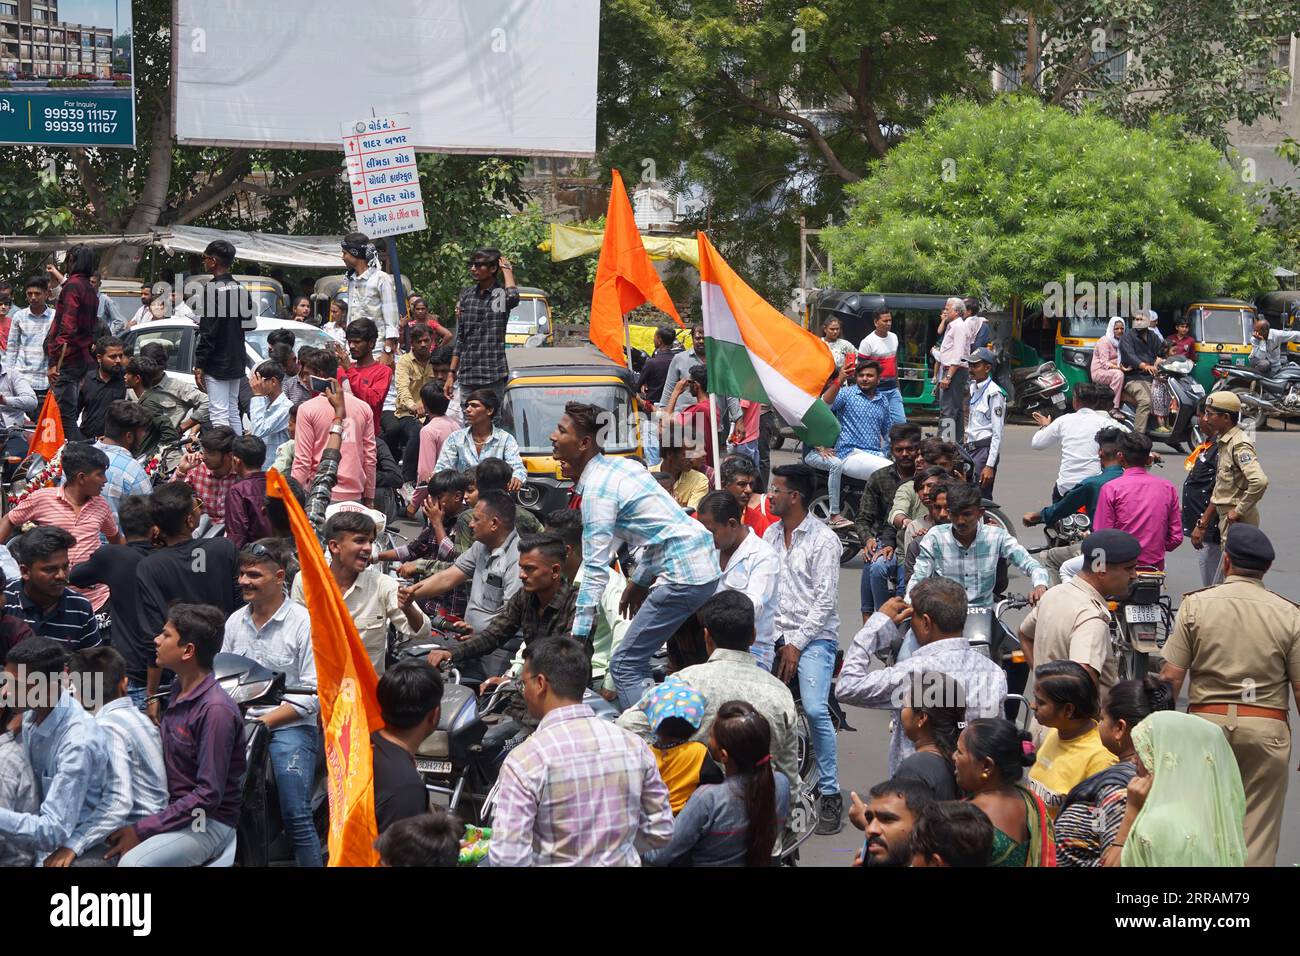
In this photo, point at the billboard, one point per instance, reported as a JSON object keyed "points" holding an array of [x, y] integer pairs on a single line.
{"points": [[66, 76], [487, 76]]}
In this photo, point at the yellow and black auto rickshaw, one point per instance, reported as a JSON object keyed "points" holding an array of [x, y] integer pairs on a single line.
{"points": [[541, 382], [1222, 329]]}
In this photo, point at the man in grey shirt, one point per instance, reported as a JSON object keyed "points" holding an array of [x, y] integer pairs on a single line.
{"points": [[491, 566]]}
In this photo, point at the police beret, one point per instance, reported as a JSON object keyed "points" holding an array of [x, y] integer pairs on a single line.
{"points": [[1223, 402], [1112, 546], [1249, 548]]}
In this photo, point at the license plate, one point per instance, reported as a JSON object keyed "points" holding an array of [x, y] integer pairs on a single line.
{"points": [[1058, 399], [433, 766], [1141, 613]]}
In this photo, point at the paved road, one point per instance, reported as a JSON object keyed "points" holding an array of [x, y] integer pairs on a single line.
{"points": [[1024, 484]]}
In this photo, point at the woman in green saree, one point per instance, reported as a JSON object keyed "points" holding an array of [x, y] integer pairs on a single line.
{"points": [[1186, 806], [990, 759]]}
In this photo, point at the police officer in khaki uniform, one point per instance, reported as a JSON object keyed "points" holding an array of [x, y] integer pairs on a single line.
{"points": [[1240, 481], [1241, 643]]}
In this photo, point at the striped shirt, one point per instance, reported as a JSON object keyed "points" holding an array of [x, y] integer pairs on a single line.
{"points": [[71, 621], [135, 779], [580, 791], [17, 793], [25, 354], [50, 506], [460, 454], [622, 502]]}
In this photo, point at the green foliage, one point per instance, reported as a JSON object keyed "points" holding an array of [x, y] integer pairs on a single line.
{"points": [[1002, 198]]}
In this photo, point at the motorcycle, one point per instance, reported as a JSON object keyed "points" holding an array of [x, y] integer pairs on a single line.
{"points": [[1140, 623], [850, 494], [1038, 389], [1262, 396], [260, 838], [1184, 433]]}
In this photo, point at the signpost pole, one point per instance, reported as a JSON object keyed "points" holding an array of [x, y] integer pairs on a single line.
{"points": [[397, 276]]}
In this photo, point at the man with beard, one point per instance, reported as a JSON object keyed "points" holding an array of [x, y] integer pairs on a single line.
{"points": [[888, 818]]}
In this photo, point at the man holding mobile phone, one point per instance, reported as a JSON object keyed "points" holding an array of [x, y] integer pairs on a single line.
{"points": [[317, 420]]}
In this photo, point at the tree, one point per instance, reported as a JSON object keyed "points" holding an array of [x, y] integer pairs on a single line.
{"points": [[773, 107], [1210, 61], [1003, 198]]}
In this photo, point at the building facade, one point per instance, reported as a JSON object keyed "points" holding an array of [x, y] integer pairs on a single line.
{"points": [[36, 44]]}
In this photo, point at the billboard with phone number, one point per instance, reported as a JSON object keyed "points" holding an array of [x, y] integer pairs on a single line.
{"points": [[70, 81]]}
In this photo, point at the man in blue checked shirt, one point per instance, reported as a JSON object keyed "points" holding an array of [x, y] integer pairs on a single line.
{"points": [[865, 417], [66, 748], [621, 502], [968, 551]]}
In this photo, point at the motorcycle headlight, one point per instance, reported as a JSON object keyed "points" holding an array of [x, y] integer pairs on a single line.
{"points": [[529, 495], [1077, 357]]}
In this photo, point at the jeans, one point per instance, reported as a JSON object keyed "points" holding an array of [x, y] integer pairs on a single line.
{"points": [[748, 449], [816, 668], [650, 441], [65, 390], [663, 612], [223, 402], [875, 589], [896, 413], [138, 692], [293, 754], [190, 846], [1210, 561]]}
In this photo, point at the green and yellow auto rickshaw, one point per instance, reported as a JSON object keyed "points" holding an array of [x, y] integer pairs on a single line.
{"points": [[1076, 338], [1222, 329]]}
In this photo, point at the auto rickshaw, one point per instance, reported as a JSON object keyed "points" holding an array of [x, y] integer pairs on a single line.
{"points": [[530, 321], [1282, 309], [1222, 329], [1076, 339], [336, 287], [267, 293], [916, 319], [541, 382]]}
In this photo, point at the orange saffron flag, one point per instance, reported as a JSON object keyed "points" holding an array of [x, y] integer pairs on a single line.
{"points": [[48, 437], [625, 277], [345, 683]]}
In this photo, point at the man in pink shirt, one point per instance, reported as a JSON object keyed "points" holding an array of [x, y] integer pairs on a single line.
{"points": [[77, 507], [315, 421], [432, 436], [1138, 502], [954, 356], [744, 435]]}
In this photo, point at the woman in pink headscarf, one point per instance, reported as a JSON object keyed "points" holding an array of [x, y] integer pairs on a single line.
{"points": [[1106, 369]]}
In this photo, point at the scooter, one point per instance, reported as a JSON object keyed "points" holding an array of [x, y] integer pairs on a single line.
{"points": [[260, 836], [1140, 623], [1038, 389], [1184, 433], [1262, 396]]}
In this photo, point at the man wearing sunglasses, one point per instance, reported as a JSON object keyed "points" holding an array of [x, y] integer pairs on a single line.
{"points": [[479, 346]]}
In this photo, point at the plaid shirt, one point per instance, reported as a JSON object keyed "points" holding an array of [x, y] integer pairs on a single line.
{"points": [[210, 488], [580, 791], [810, 576], [622, 502], [135, 780], [125, 476], [25, 354], [480, 339], [459, 454], [372, 295], [974, 568]]}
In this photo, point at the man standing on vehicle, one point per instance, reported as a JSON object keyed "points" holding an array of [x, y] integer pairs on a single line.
{"points": [[954, 354], [70, 337], [986, 416], [1139, 357], [1266, 356], [479, 348], [1241, 643], [24, 354], [220, 357], [371, 292], [1240, 482]]}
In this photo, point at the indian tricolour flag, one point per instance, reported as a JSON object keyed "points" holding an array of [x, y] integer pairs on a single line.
{"points": [[755, 352]]}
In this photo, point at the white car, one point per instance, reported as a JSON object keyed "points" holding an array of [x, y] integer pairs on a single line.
{"points": [[181, 336]]}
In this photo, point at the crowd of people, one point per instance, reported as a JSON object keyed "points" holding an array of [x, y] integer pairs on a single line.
{"points": [[696, 598]]}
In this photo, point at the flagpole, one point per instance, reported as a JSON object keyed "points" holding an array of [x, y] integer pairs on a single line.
{"points": [[713, 428]]}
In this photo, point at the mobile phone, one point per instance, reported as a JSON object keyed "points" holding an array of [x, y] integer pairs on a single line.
{"points": [[320, 384]]}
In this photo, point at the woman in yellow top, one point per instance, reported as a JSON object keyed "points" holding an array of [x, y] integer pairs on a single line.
{"points": [[1065, 701]]}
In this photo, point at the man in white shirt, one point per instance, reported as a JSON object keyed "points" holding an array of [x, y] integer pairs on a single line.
{"points": [[1076, 433], [371, 293], [954, 354], [881, 344], [749, 565], [142, 314]]}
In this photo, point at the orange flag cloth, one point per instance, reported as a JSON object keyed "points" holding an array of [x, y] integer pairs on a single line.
{"points": [[48, 437], [625, 277], [346, 683]]}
